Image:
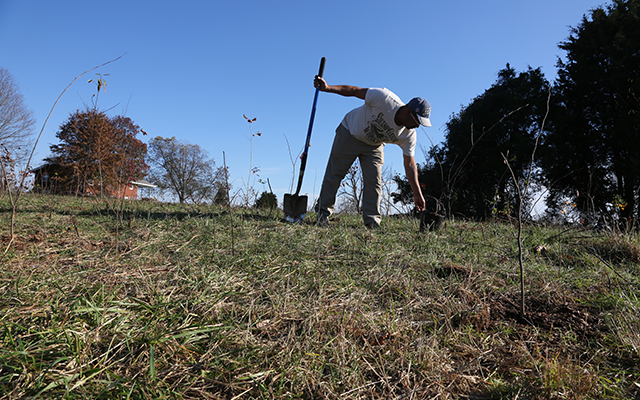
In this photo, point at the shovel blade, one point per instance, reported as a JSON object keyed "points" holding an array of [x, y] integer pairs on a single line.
{"points": [[294, 207]]}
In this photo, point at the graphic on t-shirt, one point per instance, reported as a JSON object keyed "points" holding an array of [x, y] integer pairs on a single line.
{"points": [[378, 131]]}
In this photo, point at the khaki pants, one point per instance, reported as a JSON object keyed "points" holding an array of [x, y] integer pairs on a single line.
{"points": [[344, 152]]}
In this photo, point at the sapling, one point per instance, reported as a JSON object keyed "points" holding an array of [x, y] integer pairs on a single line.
{"points": [[16, 200], [521, 193], [252, 170]]}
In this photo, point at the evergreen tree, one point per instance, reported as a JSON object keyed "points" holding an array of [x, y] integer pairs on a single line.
{"points": [[591, 155], [467, 174]]}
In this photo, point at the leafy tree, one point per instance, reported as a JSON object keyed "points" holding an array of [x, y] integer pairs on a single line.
{"points": [[591, 154], [16, 120], [184, 169], [267, 200], [97, 150], [467, 174], [221, 186], [131, 152]]}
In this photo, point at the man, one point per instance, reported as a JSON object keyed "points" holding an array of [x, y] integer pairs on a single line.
{"points": [[383, 118]]}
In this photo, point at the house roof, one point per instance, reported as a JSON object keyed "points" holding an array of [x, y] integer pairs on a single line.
{"points": [[43, 166], [143, 183]]}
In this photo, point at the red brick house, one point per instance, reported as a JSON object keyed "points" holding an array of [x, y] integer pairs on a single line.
{"points": [[50, 178]]}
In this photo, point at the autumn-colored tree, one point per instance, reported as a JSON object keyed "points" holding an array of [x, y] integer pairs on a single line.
{"points": [[131, 152], [97, 150]]}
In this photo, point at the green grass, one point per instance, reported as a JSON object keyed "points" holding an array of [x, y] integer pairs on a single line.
{"points": [[148, 300]]}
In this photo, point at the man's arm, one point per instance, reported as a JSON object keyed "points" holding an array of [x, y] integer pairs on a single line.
{"points": [[411, 171], [342, 90]]}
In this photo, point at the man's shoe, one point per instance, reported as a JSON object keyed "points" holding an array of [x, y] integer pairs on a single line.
{"points": [[372, 225], [322, 220]]}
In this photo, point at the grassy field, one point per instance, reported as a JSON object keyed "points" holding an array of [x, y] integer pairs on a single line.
{"points": [[106, 300]]}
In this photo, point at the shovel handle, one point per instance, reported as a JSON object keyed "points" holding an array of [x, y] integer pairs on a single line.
{"points": [[303, 163]]}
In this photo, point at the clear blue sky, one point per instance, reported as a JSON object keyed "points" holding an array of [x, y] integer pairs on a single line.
{"points": [[193, 68]]}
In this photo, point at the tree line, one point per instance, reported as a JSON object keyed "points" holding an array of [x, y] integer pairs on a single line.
{"points": [[581, 132], [98, 154]]}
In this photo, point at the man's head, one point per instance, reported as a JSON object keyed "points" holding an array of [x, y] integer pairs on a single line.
{"points": [[422, 110]]}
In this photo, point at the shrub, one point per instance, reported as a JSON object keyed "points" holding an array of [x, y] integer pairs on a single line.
{"points": [[267, 200]]}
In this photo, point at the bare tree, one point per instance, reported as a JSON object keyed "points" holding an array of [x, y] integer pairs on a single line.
{"points": [[351, 190], [16, 120], [387, 205], [183, 169]]}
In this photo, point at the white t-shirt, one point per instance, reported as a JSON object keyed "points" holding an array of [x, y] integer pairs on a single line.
{"points": [[374, 124]]}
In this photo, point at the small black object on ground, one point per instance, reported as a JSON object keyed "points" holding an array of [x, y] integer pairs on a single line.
{"points": [[430, 221]]}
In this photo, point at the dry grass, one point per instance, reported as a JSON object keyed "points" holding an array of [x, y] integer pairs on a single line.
{"points": [[162, 302]]}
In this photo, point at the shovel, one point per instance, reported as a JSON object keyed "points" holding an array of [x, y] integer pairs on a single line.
{"points": [[295, 206]]}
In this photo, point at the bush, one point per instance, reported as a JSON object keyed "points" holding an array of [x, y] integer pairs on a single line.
{"points": [[267, 200]]}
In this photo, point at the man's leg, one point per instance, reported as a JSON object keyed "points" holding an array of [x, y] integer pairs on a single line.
{"points": [[371, 163], [344, 151]]}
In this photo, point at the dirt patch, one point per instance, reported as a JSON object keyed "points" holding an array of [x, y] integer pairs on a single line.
{"points": [[447, 269], [549, 314], [21, 242]]}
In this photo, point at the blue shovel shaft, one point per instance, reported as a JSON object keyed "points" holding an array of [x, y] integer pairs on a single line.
{"points": [[303, 161]]}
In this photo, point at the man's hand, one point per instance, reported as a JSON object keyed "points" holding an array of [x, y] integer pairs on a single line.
{"points": [[320, 83], [418, 200]]}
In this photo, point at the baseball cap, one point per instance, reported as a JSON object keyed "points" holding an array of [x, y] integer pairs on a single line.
{"points": [[422, 108]]}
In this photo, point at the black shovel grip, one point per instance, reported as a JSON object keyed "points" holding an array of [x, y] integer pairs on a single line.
{"points": [[321, 71]]}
